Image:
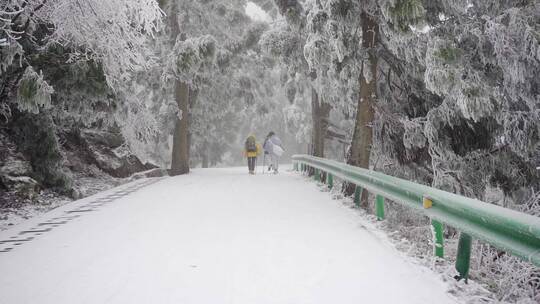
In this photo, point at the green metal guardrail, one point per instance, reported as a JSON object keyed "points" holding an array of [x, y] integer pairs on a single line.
{"points": [[508, 230]]}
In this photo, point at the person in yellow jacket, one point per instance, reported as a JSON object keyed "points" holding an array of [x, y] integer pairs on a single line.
{"points": [[252, 149]]}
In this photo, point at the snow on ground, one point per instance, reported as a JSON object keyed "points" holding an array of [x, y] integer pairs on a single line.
{"points": [[14, 209], [213, 236], [21, 211]]}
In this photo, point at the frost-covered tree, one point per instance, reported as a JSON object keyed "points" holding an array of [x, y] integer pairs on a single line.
{"points": [[286, 43], [205, 40], [375, 52], [329, 36], [112, 33], [243, 94], [441, 92], [469, 124], [56, 70], [472, 103], [342, 33], [84, 59]]}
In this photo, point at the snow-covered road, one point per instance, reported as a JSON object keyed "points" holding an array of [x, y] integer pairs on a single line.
{"points": [[214, 236]]}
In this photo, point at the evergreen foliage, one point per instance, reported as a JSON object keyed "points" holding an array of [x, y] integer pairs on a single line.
{"points": [[33, 92], [406, 13], [35, 135]]}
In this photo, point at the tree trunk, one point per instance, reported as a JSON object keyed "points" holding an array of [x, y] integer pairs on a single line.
{"points": [[317, 139], [192, 99], [320, 112], [360, 149], [205, 158], [180, 153]]}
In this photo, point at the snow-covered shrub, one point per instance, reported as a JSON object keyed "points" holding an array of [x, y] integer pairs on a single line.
{"points": [[413, 136], [34, 93], [9, 54], [404, 13], [35, 135], [442, 67], [516, 45]]}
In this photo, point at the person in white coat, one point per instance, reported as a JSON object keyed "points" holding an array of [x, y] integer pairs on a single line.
{"points": [[274, 149]]}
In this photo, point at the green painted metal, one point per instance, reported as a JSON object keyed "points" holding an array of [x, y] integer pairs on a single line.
{"points": [[438, 238], [514, 232], [358, 195], [379, 207], [317, 175], [463, 259], [330, 180]]}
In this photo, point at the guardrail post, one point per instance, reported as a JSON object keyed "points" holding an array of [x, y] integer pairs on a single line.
{"points": [[330, 180], [379, 207], [317, 175], [438, 238], [357, 195], [463, 259]]}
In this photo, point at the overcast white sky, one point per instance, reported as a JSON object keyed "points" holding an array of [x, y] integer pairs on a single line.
{"points": [[256, 12]]}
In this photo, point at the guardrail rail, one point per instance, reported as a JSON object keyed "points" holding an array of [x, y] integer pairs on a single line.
{"points": [[514, 232]]}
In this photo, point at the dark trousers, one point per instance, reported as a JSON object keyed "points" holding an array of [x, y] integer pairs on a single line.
{"points": [[251, 163]]}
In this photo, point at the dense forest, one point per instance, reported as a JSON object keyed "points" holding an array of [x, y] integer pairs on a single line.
{"points": [[441, 92]]}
